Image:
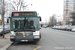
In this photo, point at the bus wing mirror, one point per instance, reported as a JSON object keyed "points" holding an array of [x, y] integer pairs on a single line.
{"points": [[41, 25], [40, 18], [8, 19]]}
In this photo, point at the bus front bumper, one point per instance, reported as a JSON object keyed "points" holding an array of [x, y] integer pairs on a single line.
{"points": [[24, 38]]}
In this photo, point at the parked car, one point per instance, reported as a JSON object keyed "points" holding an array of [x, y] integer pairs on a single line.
{"points": [[1, 30], [56, 27], [73, 29], [63, 28], [6, 29], [53, 27], [59, 28], [45, 26], [68, 29]]}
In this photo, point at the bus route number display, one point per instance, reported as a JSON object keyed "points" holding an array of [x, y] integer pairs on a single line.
{"points": [[24, 14]]}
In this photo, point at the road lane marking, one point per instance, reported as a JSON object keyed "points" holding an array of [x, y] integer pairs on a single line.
{"points": [[37, 47]]}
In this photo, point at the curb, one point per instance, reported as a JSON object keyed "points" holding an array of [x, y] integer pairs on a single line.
{"points": [[5, 47]]}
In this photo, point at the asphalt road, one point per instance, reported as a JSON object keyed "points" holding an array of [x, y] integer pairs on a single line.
{"points": [[51, 40]]}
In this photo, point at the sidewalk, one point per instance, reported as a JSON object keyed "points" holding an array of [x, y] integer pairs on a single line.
{"points": [[5, 42]]}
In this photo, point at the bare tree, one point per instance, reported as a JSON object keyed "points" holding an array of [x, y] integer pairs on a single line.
{"points": [[9, 9], [52, 21], [4, 10], [19, 4]]}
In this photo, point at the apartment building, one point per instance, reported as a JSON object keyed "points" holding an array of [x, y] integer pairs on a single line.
{"points": [[69, 6]]}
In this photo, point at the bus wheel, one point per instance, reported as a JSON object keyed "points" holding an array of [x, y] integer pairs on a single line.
{"points": [[40, 36]]}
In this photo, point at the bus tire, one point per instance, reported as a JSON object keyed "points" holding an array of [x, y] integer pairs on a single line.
{"points": [[40, 35], [36, 40]]}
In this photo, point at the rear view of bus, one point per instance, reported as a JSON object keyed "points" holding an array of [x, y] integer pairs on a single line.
{"points": [[24, 26]]}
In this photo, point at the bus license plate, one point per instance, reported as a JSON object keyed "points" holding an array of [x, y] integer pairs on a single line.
{"points": [[24, 40]]}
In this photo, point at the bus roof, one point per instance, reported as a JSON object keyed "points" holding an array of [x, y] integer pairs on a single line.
{"points": [[24, 11]]}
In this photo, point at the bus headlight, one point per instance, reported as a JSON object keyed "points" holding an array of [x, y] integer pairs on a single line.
{"points": [[13, 33], [36, 33]]}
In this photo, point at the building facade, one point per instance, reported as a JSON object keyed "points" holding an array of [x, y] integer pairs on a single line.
{"points": [[69, 6]]}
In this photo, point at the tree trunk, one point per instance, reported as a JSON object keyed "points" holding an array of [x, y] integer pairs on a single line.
{"points": [[3, 26], [3, 12]]}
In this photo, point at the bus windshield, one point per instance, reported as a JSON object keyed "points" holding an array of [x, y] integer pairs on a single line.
{"points": [[27, 23]]}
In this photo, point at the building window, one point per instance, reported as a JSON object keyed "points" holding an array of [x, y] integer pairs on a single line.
{"points": [[66, 12]]}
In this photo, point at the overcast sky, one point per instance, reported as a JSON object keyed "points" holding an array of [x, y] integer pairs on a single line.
{"points": [[47, 8]]}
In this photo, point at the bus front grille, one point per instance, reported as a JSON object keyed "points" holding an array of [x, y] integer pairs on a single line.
{"points": [[23, 34]]}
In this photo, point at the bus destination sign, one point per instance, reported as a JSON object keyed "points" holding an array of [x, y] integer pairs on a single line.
{"points": [[24, 14]]}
